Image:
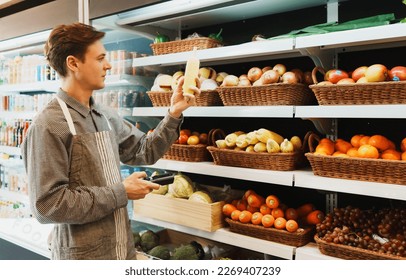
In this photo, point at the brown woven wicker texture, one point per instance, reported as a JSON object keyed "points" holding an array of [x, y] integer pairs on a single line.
{"points": [[205, 98], [184, 45], [299, 238], [351, 253], [274, 94], [361, 94], [373, 170], [192, 153], [269, 161]]}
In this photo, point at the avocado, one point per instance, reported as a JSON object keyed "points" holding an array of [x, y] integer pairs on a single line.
{"points": [[149, 240], [160, 252], [137, 238], [185, 252]]}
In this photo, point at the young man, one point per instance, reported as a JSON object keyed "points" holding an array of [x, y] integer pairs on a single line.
{"points": [[74, 147]]}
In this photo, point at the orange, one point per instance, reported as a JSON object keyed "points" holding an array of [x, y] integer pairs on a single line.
{"points": [[255, 200], [247, 193], [228, 208], [305, 209], [256, 218], [340, 154], [264, 209], [392, 145], [368, 151], [280, 223], [403, 145], [342, 146], [291, 225], [326, 147], [245, 216], [326, 141], [364, 140], [235, 215], [403, 156], [267, 220], [355, 140], [353, 152], [380, 142], [277, 212], [272, 201], [252, 209], [315, 217], [291, 214], [234, 202], [391, 154], [241, 204]]}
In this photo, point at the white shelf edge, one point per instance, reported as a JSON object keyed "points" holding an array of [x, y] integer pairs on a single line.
{"points": [[17, 114], [356, 37], [306, 179], [27, 233], [394, 111], [234, 52], [10, 150], [224, 235], [222, 111], [310, 251], [209, 168], [14, 196]]}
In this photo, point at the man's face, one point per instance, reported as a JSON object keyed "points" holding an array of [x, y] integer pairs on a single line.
{"points": [[94, 67]]}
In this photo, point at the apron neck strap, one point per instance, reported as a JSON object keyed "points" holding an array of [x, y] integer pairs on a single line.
{"points": [[67, 115]]}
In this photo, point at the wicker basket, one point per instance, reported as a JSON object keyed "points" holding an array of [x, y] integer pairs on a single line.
{"points": [[269, 161], [191, 153], [184, 45], [372, 170], [205, 98], [351, 253], [298, 238], [359, 94], [274, 94]]}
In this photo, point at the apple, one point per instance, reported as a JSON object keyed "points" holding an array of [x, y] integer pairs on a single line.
{"points": [[324, 83], [376, 73], [290, 78], [230, 81], [254, 74], [334, 75], [193, 140], [244, 82], [207, 73], [398, 73], [280, 68], [308, 79], [203, 138], [220, 77], [362, 80], [185, 131], [359, 73], [183, 139], [346, 81], [299, 74], [270, 77]]}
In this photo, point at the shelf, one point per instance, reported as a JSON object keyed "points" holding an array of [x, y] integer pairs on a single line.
{"points": [[306, 179], [10, 150], [284, 178], [386, 34], [222, 111], [27, 233], [224, 235], [236, 53], [17, 114], [311, 252], [53, 86], [352, 111]]}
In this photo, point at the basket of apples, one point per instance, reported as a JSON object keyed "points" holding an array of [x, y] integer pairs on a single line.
{"points": [[190, 146], [267, 86], [374, 84]]}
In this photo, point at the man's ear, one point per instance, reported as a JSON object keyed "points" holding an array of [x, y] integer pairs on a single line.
{"points": [[72, 63]]}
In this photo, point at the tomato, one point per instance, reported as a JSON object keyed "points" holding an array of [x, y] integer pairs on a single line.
{"points": [[185, 131], [183, 139], [334, 75]]}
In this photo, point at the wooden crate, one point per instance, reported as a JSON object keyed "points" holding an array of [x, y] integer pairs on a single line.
{"points": [[204, 216]]}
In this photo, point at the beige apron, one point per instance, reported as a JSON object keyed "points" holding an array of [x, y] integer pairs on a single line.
{"points": [[94, 163]]}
